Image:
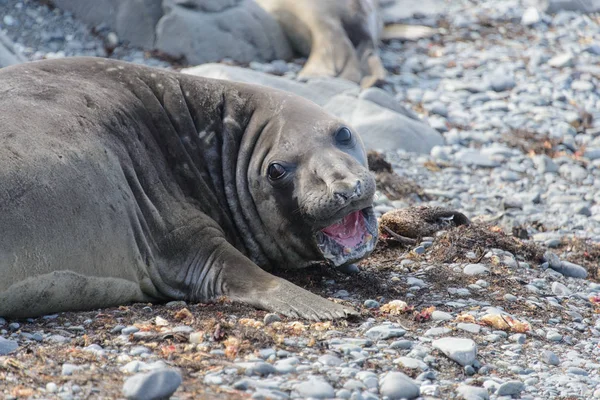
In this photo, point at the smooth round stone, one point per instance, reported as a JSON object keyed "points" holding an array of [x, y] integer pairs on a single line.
{"points": [[371, 304], [382, 332], [549, 358], [315, 388], [437, 331], [510, 388], [411, 363], [461, 350], [328, 359], [353, 384], [577, 371], [258, 368], [130, 329], [441, 316], [560, 290], [471, 328], [396, 385], [510, 297], [51, 387], [472, 392], [153, 385], [69, 369], [270, 318], [7, 346], [469, 370], [518, 338], [401, 344], [554, 336], [213, 380], [475, 269]]}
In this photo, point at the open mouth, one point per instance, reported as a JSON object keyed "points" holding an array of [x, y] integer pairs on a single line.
{"points": [[350, 239]]}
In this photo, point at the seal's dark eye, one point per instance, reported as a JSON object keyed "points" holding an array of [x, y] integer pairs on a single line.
{"points": [[343, 136], [276, 171]]}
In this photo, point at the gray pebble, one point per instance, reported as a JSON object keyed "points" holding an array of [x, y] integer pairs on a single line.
{"points": [[510, 388], [315, 388], [549, 358], [461, 350], [154, 385], [270, 318], [396, 385], [7, 346]]}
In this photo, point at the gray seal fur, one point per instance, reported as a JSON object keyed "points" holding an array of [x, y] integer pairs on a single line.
{"points": [[339, 37], [122, 183]]}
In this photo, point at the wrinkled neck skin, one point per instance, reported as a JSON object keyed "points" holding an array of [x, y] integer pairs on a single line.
{"points": [[227, 143], [273, 232]]}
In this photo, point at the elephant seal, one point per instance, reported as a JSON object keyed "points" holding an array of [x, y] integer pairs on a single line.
{"points": [[122, 183], [339, 37]]}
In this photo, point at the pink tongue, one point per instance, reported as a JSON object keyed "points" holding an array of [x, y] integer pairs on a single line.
{"points": [[349, 231]]}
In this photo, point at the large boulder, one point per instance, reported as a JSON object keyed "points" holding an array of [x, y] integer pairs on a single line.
{"points": [[211, 30], [199, 30], [132, 20], [381, 121]]}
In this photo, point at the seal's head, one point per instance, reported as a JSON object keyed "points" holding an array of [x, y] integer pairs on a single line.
{"points": [[312, 188]]}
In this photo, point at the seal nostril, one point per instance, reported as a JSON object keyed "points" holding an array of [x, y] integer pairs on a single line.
{"points": [[357, 189], [340, 196]]}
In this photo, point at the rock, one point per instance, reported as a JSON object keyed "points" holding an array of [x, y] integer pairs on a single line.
{"points": [[560, 290], [571, 270], [270, 318], [531, 16], [382, 332], [463, 351], [474, 157], [475, 269], [586, 6], [501, 81], [554, 336], [467, 392], [8, 54], [330, 360], [371, 304], [431, 332], [544, 164], [549, 358], [396, 385], [51, 387], [69, 369], [315, 388], [510, 388], [157, 384], [380, 126], [7, 346], [199, 30], [582, 86], [133, 20], [471, 328], [411, 363], [257, 368], [441, 316], [562, 60], [237, 29]]}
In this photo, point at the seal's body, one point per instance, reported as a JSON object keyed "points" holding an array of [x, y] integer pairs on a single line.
{"points": [[122, 183], [339, 37]]}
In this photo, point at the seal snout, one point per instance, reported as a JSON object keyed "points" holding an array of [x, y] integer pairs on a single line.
{"points": [[344, 192]]}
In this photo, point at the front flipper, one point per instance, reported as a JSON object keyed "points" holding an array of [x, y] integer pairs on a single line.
{"points": [[242, 280]]}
